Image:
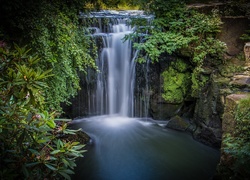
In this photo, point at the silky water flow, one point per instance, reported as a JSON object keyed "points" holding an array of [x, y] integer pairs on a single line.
{"points": [[123, 147]]}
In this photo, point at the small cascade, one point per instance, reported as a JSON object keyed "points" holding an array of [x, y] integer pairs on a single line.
{"points": [[115, 80]]}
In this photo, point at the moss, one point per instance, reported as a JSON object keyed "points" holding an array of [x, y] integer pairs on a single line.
{"points": [[180, 65], [176, 83], [198, 81]]}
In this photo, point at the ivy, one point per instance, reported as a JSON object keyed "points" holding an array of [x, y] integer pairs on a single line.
{"points": [[63, 47], [51, 29]]}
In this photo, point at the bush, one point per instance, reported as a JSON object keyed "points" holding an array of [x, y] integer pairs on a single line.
{"points": [[32, 142]]}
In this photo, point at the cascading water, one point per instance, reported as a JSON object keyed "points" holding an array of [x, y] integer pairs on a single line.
{"points": [[114, 92], [124, 148]]}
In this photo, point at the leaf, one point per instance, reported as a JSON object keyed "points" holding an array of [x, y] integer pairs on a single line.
{"points": [[51, 123], [66, 176], [65, 162], [42, 141], [68, 171], [25, 171], [32, 164], [55, 151], [33, 151], [67, 120], [50, 167]]}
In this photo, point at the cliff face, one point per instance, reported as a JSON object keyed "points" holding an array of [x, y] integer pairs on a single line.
{"points": [[231, 167], [232, 77]]}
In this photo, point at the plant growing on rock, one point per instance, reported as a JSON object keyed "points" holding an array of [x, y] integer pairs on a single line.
{"points": [[184, 32], [237, 145]]}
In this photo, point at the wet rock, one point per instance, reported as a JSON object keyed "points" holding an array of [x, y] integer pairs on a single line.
{"points": [[160, 109], [209, 136], [178, 123], [208, 109]]}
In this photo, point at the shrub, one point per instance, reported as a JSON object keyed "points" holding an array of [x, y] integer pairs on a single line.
{"points": [[32, 142]]}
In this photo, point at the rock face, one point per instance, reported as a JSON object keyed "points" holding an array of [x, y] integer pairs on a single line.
{"points": [[232, 29], [228, 120], [228, 128], [207, 115], [161, 110]]}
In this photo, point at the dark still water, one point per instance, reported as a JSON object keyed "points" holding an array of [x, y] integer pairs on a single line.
{"points": [[135, 149]]}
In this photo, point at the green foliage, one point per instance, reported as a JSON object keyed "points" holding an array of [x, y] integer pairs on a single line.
{"points": [[176, 82], [62, 45], [33, 144], [199, 80], [238, 144], [160, 43], [111, 4], [188, 30], [246, 36], [179, 31], [51, 28]]}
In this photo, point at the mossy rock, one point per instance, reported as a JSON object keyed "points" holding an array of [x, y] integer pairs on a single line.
{"points": [[177, 123], [162, 110], [176, 85]]}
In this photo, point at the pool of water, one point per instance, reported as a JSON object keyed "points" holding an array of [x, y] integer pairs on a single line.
{"points": [[124, 148]]}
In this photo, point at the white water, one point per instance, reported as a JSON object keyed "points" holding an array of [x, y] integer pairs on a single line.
{"points": [[114, 91]]}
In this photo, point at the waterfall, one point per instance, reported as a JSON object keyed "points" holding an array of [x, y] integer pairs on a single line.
{"points": [[114, 92], [115, 79]]}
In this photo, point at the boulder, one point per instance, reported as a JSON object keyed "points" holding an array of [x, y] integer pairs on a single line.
{"points": [[178, 123], [160, 109], [240, 81]]}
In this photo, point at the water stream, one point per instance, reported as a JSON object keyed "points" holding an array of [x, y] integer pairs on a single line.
{"points": [[123, 147]]}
